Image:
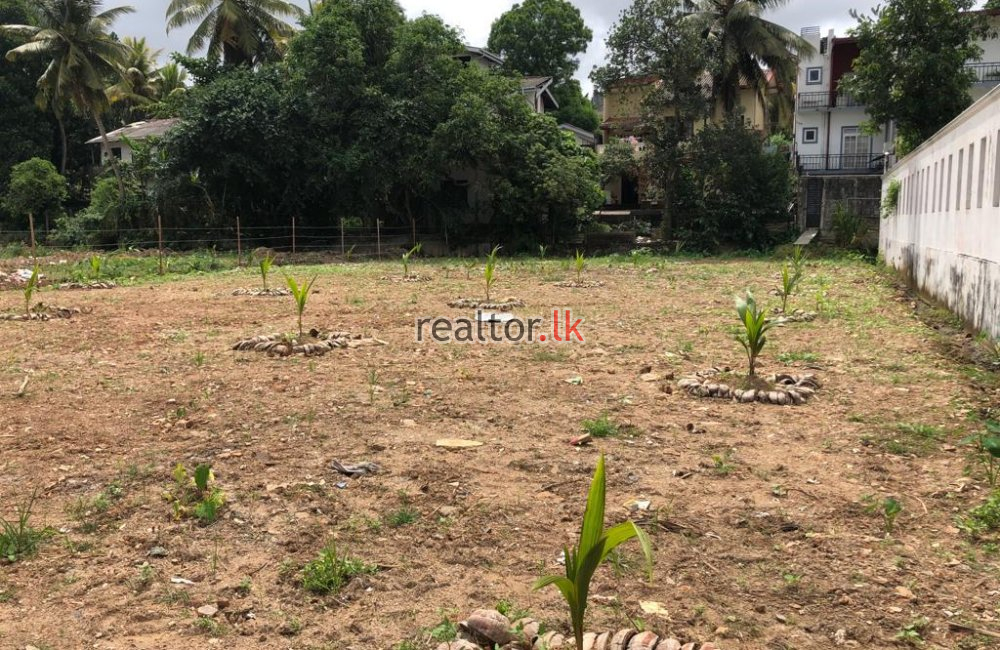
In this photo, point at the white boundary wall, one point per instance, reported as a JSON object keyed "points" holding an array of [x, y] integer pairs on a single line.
{"points": [[944, 235]]}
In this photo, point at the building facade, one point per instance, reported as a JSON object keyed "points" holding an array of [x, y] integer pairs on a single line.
{"points": [[840, 163]]}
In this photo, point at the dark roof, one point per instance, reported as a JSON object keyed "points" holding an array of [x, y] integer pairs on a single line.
{"points": [[138, 131]]}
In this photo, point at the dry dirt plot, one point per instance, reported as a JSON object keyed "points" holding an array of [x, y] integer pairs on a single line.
{"points": [[757, 512]]}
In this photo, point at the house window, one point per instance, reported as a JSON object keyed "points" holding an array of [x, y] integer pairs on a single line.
{"points": [[968, 179], [814, 76], [116, 152], [982, 172], [996, 175], [810, 135]]}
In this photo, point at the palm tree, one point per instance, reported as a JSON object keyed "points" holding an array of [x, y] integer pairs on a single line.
{"points": [[241, 32], [74, 35], [139, 77], [171, 80], [747, 48]]}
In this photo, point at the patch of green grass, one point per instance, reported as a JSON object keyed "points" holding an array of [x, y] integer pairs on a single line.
{"points": [[329, 572], [210, 627], [791, 357], [444, 631], [402, 517], [602, 427], [549, 355], [910, 634], [915, 439]]}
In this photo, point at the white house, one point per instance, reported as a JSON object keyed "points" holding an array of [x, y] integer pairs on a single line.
{"points": [[537, 91], [119, 139], [839, 162]]}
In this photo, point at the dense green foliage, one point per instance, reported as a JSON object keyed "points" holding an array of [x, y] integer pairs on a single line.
{"points": [[25, 130], [923, 87], [35, 189], [368, 117], [731, 189]]}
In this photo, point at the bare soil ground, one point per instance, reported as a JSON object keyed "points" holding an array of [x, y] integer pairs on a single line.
{"points": [[761, 537]]}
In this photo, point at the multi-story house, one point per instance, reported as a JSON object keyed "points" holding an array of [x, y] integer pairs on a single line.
{"points": [[840, 162]]}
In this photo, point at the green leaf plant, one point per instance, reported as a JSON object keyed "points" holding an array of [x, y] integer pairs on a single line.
{"points": [[755, 325], [301, 294], [490, 271], [591, 551]]}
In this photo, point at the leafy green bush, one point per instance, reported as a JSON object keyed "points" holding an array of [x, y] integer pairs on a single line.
{"points": [[730, 189], [891, 199], [849, 228]]}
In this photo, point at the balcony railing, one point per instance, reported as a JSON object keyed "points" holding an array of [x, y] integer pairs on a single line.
{"points": [[986, 73], [859, 163], [825, 100]]}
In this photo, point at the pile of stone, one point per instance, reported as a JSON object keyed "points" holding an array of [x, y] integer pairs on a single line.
{"points": [[487, 629], [316, 344], [784, 389]]}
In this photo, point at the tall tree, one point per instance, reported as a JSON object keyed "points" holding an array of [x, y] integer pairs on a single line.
{"points": [[74, 38], [545, 38], [138, 83], [653, 39], [25, 130], [240, 32], [912, 66], [745, 48], [541, 37]]}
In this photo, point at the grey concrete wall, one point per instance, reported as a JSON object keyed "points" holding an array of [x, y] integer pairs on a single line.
{"points": [[859, 194]]}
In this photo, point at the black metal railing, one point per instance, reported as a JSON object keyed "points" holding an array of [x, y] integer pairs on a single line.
{"points": [[986, 72], [826, 99], [859, 163]]}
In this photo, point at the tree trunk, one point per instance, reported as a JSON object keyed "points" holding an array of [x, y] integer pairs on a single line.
{"points": [[31, 228], [63, 142], [111, 156], [413, 221]]}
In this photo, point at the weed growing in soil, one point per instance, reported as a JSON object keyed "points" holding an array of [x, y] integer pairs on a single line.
{"points": [[444, 631], [196, 496], [579, 263], [402, 517], [301, 295], [756, 325], [910, 633], [987, 450], [406, 259], [602, 427], [982, 519], [18, 538], [594, 546], [889, 508], [329, 572]]}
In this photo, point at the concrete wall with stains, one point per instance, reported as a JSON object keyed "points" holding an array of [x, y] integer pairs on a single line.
{"points": [[944, 233]]}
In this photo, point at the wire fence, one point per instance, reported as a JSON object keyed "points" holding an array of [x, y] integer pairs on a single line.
{"points": [[362, 241]]}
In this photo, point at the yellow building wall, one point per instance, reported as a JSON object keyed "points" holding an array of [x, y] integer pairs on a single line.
{"points": [[625, 103]]}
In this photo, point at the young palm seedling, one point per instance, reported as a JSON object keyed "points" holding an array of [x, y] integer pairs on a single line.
{"points": [[95, 267], [594, 546], [406, 259], [789, 283], [265, 266], [579, 263], [490, 272], [755, 325], [29, 290], [889, 508], [301, 294]]}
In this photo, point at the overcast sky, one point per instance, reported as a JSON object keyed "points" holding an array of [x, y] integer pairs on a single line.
{"points": [[474, 17]]}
